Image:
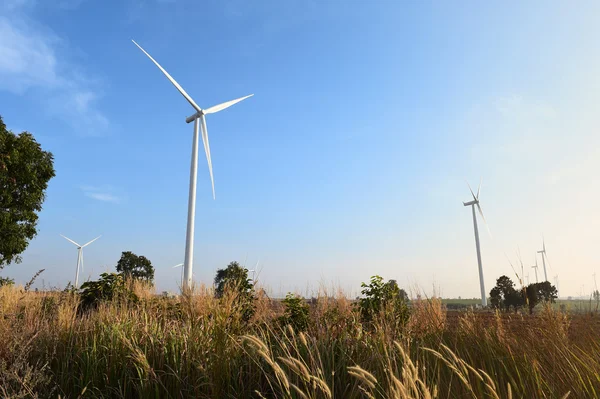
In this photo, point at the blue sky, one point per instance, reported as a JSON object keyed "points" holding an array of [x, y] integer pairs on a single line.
{"points": [[349, 161]]}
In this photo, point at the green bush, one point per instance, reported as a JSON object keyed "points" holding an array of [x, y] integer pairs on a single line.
{"points": [[110, 286], [295, 313], [383, 299], [233, 280], [6, 281]]}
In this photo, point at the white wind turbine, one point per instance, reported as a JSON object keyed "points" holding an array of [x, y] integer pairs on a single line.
{"points": [[199, 122], [535, 267], [253, 271], [556, 283], [543, 252], [472, 204], [79, 256]]}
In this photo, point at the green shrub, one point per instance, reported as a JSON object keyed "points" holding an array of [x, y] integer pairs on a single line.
{"points": [[110, 286], [233, 280], [6, 281], [295, 313], [380, 299]]}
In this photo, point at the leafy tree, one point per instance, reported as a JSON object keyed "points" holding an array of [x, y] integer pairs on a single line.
{"points": [[296, 312], [379, 297], [504, 295], [25, 170], [110, 286], [540, 292], [135, 267], [234, 279], [6, 281]]}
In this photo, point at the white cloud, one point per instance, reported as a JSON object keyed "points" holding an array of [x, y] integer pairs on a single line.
{"points": [[33, 62], [103, 197], [101, 193]]}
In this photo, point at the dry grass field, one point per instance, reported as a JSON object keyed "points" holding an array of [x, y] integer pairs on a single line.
{"points": [[201, 347]]}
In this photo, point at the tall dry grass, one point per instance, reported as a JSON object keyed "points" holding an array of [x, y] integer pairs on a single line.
{"points": [[199, 346]]}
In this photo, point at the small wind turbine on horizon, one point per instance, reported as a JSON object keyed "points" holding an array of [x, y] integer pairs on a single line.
{"points": [[472, 204], [535, 267], [254, 272], [79, 256], [199, 123], [595, 284], [543, 252]]}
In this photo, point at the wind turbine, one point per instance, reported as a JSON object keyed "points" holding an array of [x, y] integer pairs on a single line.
{"points": [[543, 252], [535, 267], [199, 123], [556, 282], [472, 204], [79, 256], [527, 278], [254, 272], [595, 284]]}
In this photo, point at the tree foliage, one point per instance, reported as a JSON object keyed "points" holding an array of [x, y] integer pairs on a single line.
{"points": [[540, 292], [135, 267], [504, 295], [108, 287], [296, 313], [379, 297], [233, 276], [234, 281], [25, 170]]}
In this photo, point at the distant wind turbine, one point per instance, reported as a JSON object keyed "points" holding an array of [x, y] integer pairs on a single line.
{"points": [[472, 204], [556, 282], [199, 122], [79, 256], [595, 284], [253, 271], [535, 267], [543, 252]]}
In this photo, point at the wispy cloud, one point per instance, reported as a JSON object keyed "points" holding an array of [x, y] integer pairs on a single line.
{"points": [[104, 193], [33, 59]]}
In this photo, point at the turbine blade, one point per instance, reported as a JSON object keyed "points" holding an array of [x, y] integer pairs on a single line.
{"points": [[67, 238], [207, 151], [221, 107], [81, 251], [483, 218], [85, 245], [473, 194], [179, 265], [479, 188], [543, 244], [177, 86]]}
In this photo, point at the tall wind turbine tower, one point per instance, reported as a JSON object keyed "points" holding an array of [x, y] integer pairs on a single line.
{"points": [[543, 252], [535, 267], [199, 124], [79, 256], [473, 204]]}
